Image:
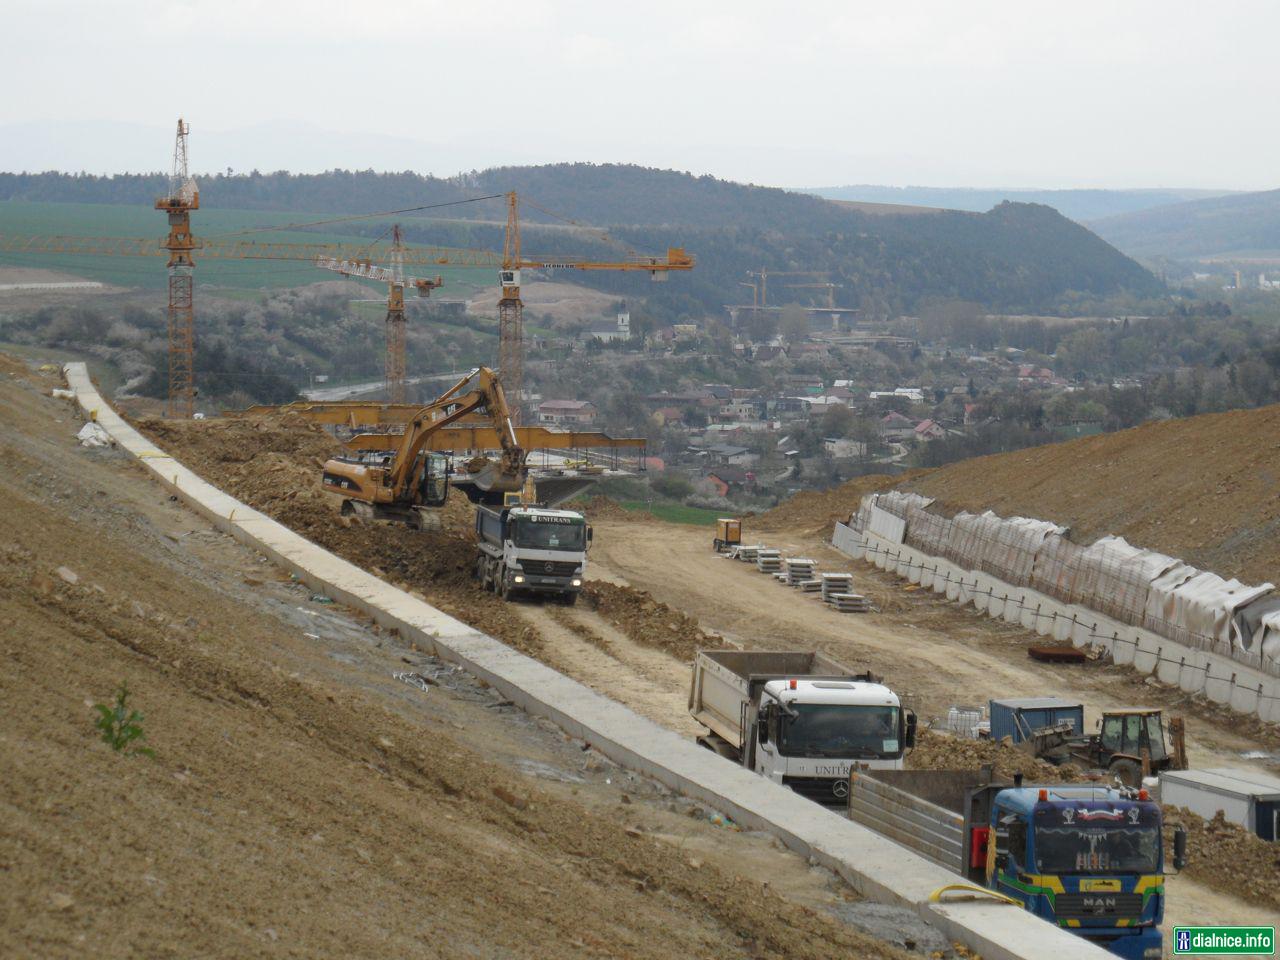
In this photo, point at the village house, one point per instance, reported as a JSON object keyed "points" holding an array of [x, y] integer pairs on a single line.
{"points": [[894, 427], [929, 430], [566, 412], [727, 480]]}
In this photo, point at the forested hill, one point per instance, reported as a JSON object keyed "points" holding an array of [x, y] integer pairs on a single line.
{"points": [[1019, 257], [1243, 222]]}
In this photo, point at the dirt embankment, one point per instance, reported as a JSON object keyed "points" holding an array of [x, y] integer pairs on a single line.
{"points": [[1205, 489], [812, 512], [648, 621]]}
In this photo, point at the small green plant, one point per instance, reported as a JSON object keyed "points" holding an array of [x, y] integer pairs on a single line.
{"points": [[122, 727]]}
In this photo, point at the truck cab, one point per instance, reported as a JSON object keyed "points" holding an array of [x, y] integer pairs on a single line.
{"points": [[1089, 859], [531, 549], [810, 733], [800, 718]]}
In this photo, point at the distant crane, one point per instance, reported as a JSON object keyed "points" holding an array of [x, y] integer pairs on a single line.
{"points": [[394, 365], [183, 197], [760, 281], [351, 259], [829, 287]]}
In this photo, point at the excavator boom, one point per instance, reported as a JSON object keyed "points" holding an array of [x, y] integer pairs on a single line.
{"points": [[397, 486]]}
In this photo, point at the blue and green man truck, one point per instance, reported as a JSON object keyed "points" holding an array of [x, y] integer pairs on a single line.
{"points": [[1087, 858]]}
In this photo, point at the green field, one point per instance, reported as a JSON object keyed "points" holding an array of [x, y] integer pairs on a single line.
{"points": [[674, 512], [230, 278]]}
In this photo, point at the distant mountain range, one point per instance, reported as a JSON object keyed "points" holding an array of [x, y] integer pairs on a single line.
{"points": [[1239, 224], [1015, 257], [1078, 205]]}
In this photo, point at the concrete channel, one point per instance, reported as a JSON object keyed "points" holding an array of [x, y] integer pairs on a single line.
{"points": [[877, 868]]}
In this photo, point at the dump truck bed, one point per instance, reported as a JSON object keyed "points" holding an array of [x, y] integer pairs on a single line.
{"points": [[724, 682]]}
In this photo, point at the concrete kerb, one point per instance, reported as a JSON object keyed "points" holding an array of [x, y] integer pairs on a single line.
{"points": [[874, 866]]}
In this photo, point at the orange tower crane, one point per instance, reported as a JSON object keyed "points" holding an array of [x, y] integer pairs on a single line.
{"points": [[182, 198], [760, 282]]}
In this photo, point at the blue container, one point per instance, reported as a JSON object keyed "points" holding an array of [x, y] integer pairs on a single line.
{"points": [[1018, 718]]}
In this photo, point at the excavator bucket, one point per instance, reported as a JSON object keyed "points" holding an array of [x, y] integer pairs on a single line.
{"points": [[491, 479]]}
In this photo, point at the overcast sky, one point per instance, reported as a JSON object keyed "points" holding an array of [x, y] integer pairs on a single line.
{"points": [[1124, 93]]}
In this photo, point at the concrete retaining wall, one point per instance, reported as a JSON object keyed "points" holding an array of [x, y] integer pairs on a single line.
{"points": [[877, 868], [1220, 678]]}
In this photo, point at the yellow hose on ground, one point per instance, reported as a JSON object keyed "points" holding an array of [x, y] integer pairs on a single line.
{"points": [[973, 894]]}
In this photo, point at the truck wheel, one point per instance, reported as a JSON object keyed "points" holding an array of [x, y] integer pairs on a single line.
{"points": [[479, 570], [568, 599], [1128, 772]]}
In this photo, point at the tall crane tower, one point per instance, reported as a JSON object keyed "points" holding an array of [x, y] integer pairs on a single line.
{"points": [[183, 197], [511, 308], [394, 365]]}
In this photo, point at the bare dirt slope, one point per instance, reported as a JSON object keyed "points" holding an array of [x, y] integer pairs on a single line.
{"points": [[1206, 489], [302, 802]]}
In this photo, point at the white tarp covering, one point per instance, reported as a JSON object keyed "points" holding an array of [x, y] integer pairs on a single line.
{"points": [[1111, 576], [1250, 624], [930, 532], [1114, 577], [1267, 637], [897, 502], [1053, 573], [1203, 605], [1010, 553]]}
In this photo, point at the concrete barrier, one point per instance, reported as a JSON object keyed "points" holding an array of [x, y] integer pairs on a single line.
{"points": [[874, 866]]}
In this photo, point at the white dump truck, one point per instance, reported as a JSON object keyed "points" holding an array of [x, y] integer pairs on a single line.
{"points": [[531, 549], [799, 718]]}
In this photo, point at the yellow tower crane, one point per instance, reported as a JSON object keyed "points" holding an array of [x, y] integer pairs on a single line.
{"points": [[511, 308], [393, 275]]}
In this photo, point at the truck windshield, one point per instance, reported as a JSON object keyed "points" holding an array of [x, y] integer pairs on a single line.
{"points": [[550, 533], [839, 730], [1097, 841]]}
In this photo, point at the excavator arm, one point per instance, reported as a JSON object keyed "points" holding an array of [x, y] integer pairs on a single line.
{"points": [[479, 390]]}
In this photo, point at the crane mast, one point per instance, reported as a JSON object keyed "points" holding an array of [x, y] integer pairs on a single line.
{"points": [[183, 197], [511, 312]]}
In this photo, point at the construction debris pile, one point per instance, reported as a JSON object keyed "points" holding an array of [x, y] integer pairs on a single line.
{"points": [[935, 750], [648, 621], [1226, 856]]}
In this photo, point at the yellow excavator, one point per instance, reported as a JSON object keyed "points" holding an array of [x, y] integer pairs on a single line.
{"points": [[399, 483]]}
